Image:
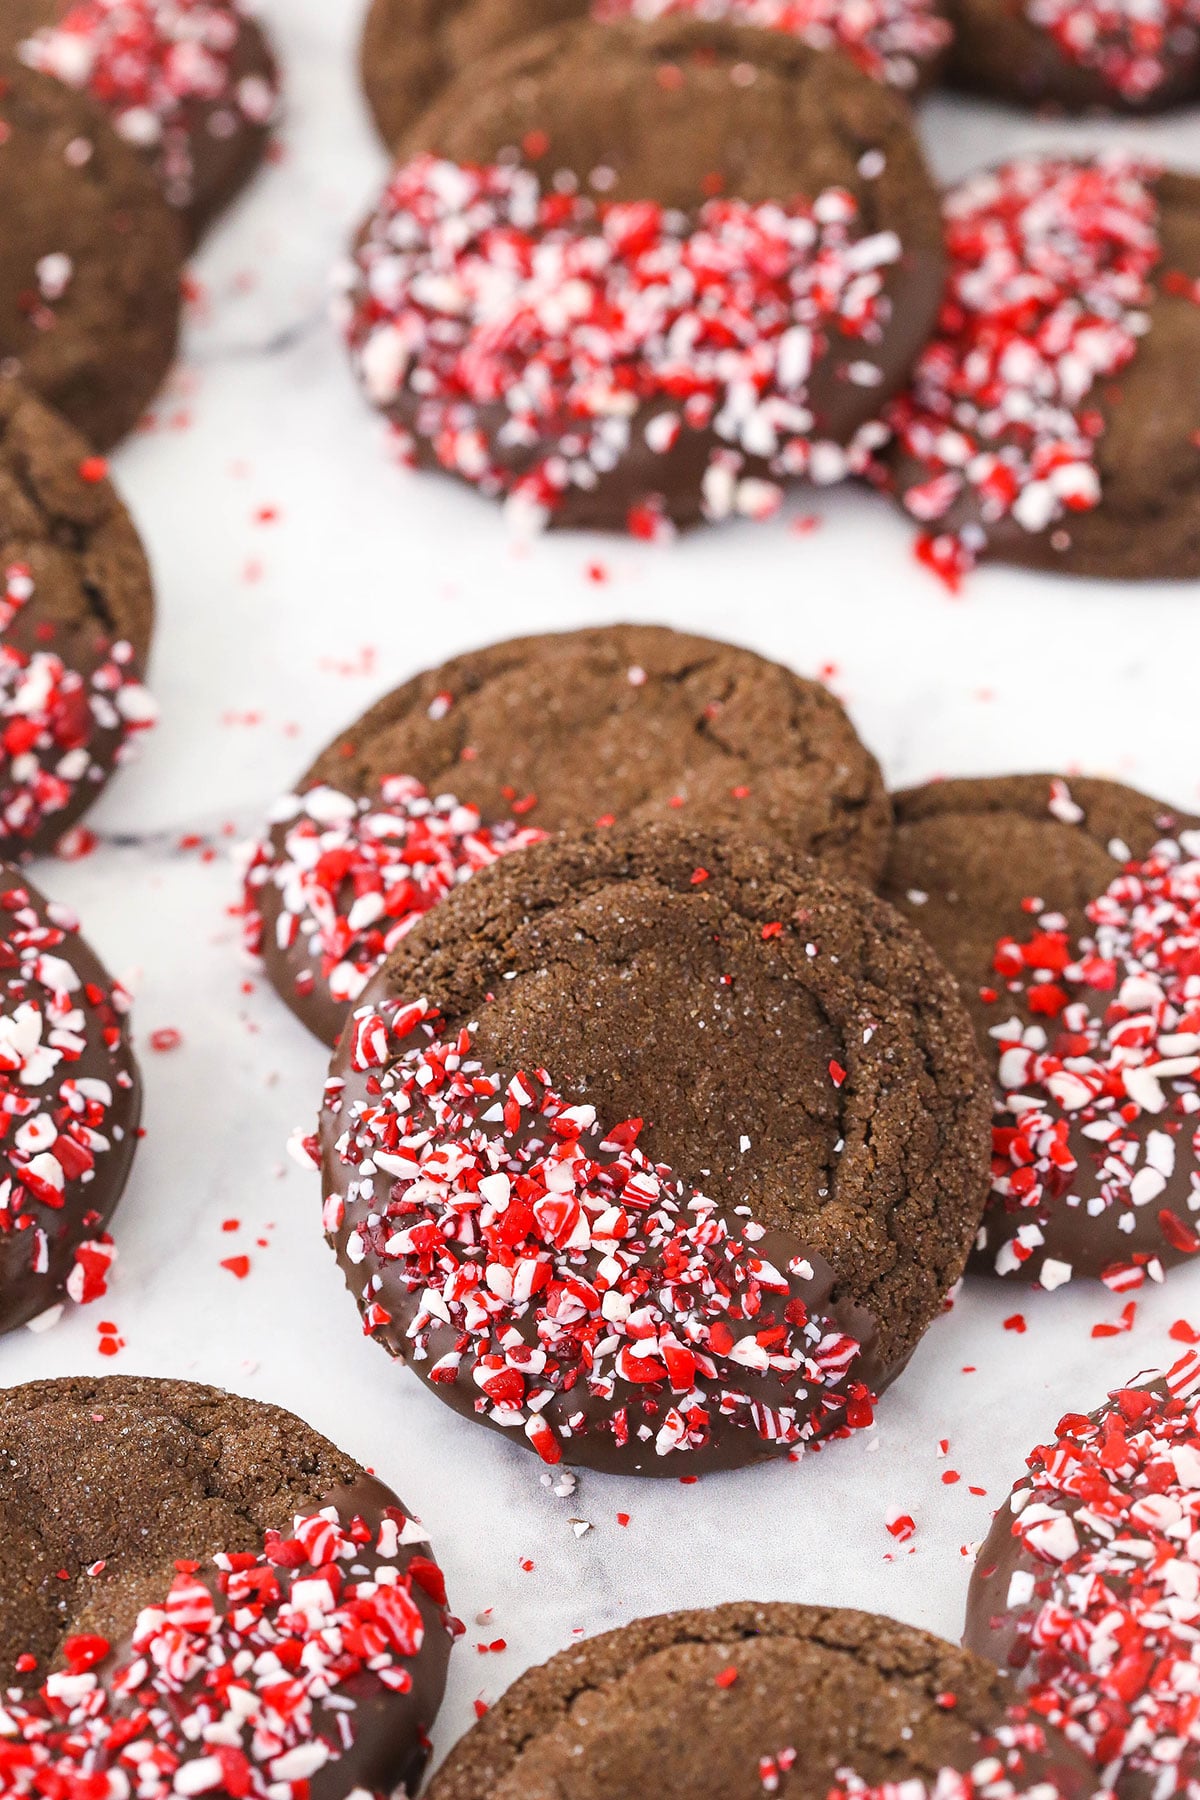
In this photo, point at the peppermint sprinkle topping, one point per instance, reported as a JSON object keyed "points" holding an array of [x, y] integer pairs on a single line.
{"points": [[152, 64], [888, 39], [353, 876], [527, 338], [1100, 1104], [1109, 1615], [57, 1122], [990, 1778], [1050, 265], [1131, 44], [53, 718], [543, 1259], [244, 1682]]}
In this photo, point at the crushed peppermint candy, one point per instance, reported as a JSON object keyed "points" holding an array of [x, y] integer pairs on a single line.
{"points": [[1050, 280], [505, 1241], [244, 1682], [999, 1774], [1099, 1080], [524, 337], [1101, 1558], [67, 1101], [349, 877], [61, 728], [1132, 45], [153, 65], [890, 40]]}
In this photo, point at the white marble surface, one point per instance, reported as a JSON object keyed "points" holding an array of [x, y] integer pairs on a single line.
{"points": [[271, 635]]}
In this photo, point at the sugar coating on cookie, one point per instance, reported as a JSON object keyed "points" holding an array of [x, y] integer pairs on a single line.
{"points": [[1098, 1080], [891, 40], [62, 727], [164, 70], [1087, 1589], [351, 875], [545, 1250], [70, 1101], [1050, 267], [534, 333]]}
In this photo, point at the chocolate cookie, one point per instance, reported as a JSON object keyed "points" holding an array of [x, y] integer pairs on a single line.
{"points": [[727, 1703], [1052, 420], [1070, 914], [190, 84], [1079, 54], [412, 48], [71, 1099], [657, 1147], [90, 260], [493, 749], [1087, 1588], [191, 1578], [643, 275], [76, 617]]}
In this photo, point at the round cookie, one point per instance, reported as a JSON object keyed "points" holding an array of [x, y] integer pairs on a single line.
{"points": [[1085, 1589], [76, 619], [1078, 54], [90, 262], [638, 276], [493, 749], [190, 84], [71, 1099], [1051, 420], [1070, 913], [725, 1703], [412, 48], [177, 1560], [657, 1148]]}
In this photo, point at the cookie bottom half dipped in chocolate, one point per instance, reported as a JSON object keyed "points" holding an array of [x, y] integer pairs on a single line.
{"points": [[1070, 914], [411, 49], [189, 84], [639, 276], [90, 260], [76, 619], [1078, 55], [71, 1100], [1051, 421], [655, 1149], [1087, 1588], [734, 1701], [489, 752], [198, 1593]]}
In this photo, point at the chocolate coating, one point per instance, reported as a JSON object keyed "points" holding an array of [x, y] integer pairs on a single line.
{"points": [[639, 1710], [558, 720], [90, 260], [754, 116], [999, 51], [91, 590], [965, 857], [139, 1473], [41, 1082], [649, 994]]}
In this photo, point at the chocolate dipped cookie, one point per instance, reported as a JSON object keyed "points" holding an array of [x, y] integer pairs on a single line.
{"points": [[1079, 55], [71, 1098], [76, 619], [1070, 913], [1052, 419], [639, 276], [411, 49], [90, 260], [656, 1149], [201, 1594], [489, 752], [191, 85], [724, 1703], [1087, 1588]]}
